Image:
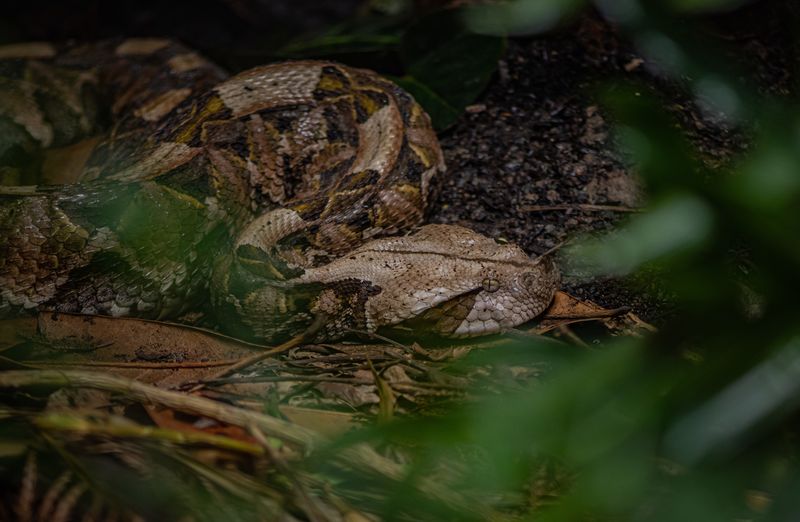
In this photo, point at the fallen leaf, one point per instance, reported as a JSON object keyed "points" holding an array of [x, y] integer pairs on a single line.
{"points": [[153, 352], [566, 309]]}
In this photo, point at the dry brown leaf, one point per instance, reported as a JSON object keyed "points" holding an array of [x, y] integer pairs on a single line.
{"points": [[566, 309], [64, 165], [166, 418], [149, 351]]}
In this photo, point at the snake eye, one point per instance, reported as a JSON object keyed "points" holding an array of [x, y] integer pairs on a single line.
{"points": [[490, 284]]}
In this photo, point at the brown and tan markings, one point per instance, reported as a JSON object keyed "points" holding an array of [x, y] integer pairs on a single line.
{"points": [[139, 179]]}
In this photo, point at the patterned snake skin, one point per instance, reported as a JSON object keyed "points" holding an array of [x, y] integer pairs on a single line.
{"points": [[139, 180]]}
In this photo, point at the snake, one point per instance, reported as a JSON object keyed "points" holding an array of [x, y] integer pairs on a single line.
{"points": [[139, 179]]}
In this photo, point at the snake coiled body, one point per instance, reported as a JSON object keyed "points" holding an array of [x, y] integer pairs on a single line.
{"points": [[147, 183]]}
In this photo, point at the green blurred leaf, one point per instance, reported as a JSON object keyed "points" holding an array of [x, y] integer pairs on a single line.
{"points": [[519, 17], [339, 44], [452, 63], [675, 225], [723, 423], [705, 5], [441, 112], [769, 178]]}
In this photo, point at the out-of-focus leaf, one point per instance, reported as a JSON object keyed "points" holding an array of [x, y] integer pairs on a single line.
{"points": [[519, 17], [391, 7], [441, 112], [706, 5], [339, 44], [769, 178], [450, 61], [723, 423], [364, 40], [669, 228]]}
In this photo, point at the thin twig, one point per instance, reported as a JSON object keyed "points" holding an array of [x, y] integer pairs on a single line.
{"points": [[78, 424], [379, 337], [579, 206], [339, 358], [319, 322], [401, 360], [322, 378], [553, 249], [243, 363], [529, 334]]}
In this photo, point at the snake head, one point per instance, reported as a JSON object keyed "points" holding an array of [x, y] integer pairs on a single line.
{"points": [[503, 301], [443, 278]]}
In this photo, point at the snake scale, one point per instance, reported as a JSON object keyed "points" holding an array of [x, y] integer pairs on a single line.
{"points": [[140, 180]]}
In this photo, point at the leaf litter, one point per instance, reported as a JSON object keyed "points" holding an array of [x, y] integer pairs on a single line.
{"points": [[107, 373]]}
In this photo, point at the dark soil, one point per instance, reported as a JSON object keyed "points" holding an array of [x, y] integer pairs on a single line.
{"points": [[537, 137]]}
